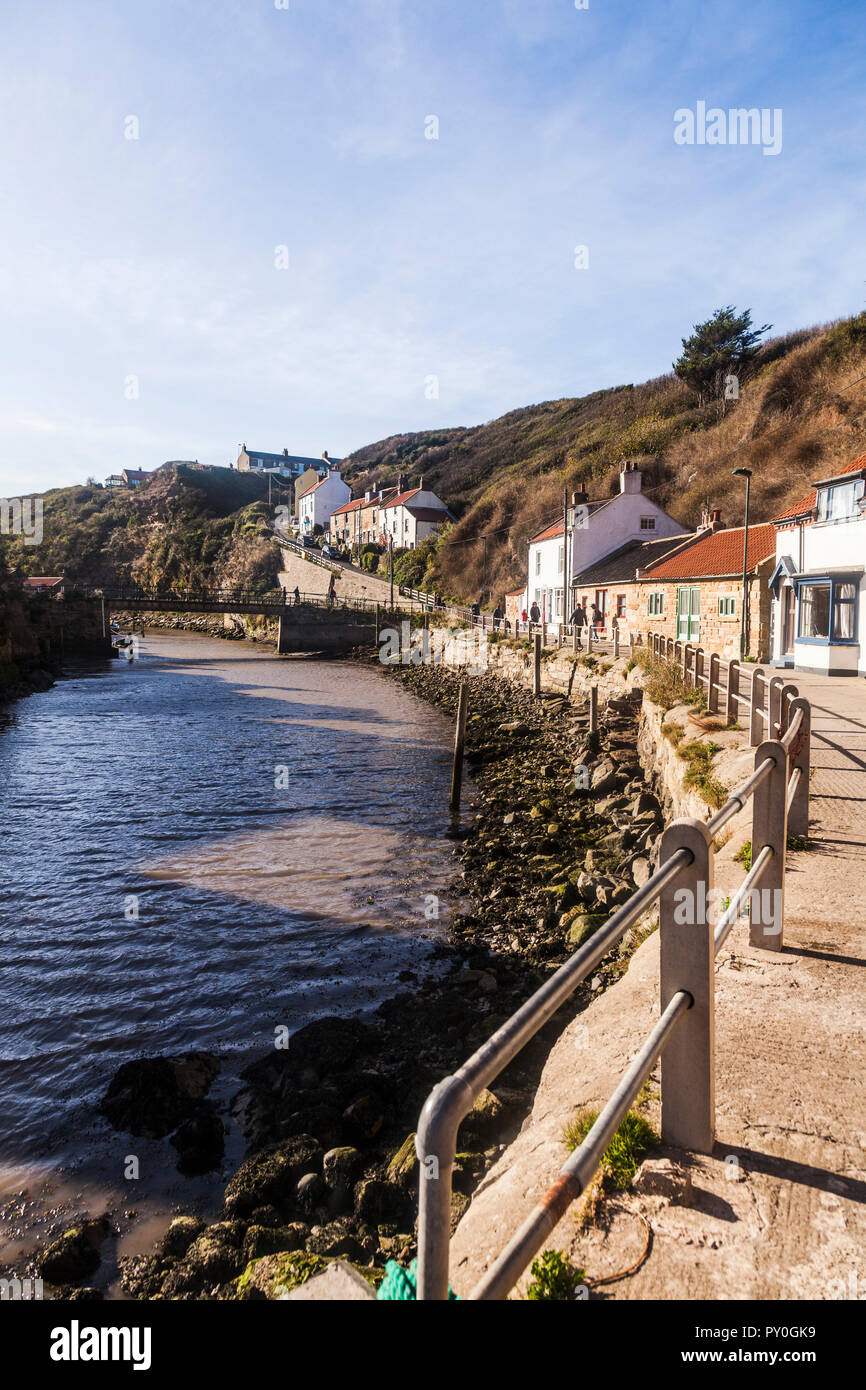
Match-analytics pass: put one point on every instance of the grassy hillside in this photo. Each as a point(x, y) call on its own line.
point(182, 526)
point(506, 478)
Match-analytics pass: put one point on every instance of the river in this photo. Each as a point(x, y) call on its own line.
point(200, 847)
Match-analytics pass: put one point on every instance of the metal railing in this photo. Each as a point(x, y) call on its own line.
point(684, 1034)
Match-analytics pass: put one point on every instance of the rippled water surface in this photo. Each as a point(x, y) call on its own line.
point(164, 891)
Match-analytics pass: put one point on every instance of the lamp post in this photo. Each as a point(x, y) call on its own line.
point(391, 564)
point(747, 474)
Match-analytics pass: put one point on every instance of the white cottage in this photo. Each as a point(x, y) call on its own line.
point(818, 612)
point(595, 529)
point(316, 505)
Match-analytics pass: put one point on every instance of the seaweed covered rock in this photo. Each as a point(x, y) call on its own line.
point(271, 1177)
point(151, 1096)
point(75, 1253)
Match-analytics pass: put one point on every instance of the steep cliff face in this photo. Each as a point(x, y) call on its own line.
point(182, 526)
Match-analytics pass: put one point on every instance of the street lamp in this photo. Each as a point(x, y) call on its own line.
point(747, 474)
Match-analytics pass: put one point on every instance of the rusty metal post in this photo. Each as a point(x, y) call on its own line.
point(733, 703)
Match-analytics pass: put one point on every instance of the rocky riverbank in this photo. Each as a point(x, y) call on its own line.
point(545, 854)
point(241, 628)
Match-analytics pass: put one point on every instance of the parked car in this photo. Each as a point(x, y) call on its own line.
point(331, 552)
point(308, 542)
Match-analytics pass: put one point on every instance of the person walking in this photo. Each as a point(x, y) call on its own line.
point(535, 614)
point(498, 615)
point(597, 618)
point(297, 595)
point(578, 621)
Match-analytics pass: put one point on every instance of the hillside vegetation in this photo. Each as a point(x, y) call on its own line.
point(182, 527)
point(506, 478)
point(800, 414)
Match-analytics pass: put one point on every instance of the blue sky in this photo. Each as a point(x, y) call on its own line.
point(409, 258)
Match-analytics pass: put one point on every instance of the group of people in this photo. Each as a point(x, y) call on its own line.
point(579, 619)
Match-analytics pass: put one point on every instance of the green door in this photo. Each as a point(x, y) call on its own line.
point(688, 613)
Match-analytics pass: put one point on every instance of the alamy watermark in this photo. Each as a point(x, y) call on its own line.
point(465, 648)
point(737, 126)
point(22, 516)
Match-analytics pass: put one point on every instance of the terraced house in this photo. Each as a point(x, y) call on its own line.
point(817, 586)
point(690, 587)
point(586, 533)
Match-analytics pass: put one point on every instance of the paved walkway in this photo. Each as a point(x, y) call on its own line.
point(779, 1210)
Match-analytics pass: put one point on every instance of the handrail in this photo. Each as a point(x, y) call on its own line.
point(686, 958)
point(576, 1174)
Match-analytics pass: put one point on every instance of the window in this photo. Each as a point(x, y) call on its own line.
point(727, 606)
point(814, 610)
point(558, 600)
point(844, 607)
point(655, 604)
point(620, 605)
point(538, 562)
point(647, 523)
point(560, 560)
point(839, 503)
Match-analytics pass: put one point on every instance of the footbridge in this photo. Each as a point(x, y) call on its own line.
point(306, 622)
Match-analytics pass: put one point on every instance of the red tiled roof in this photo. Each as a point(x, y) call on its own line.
point(41, 580)
point(809, 502)
point(352, 506)
point(549, 532)
point(717, 553)
point(401, 498)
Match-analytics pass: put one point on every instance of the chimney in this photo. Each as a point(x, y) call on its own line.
point(285, 453)
point(401, 482)
point(580, 498)
point(711, 519)
point(629, 478)
point(368, 496)
point(421, 483)
point(325, 456)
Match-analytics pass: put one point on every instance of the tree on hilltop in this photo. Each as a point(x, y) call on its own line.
point(719, 348)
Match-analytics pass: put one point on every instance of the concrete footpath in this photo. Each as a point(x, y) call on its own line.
point(779, 1210)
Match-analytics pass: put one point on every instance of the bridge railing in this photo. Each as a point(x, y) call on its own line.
point(691, 933)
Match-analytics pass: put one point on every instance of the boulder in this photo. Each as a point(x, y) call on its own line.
point(181, 1233)
point(583, 927)
point(482, 1122)
point(217, 1254)
point(151, 1096)
point(403, 1168)
point(273, 1240)
point(74, 1255)
point(270, 1177)
point(310, 1191)
point(377, 1201)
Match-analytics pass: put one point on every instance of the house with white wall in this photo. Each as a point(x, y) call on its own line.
point(588, 532)
point(411, 516)
point(316, 505)
point(818, 585)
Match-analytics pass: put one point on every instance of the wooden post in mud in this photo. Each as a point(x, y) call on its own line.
point(536, 664)
point(459, 739)
point(593, 708)
point(377, 624)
